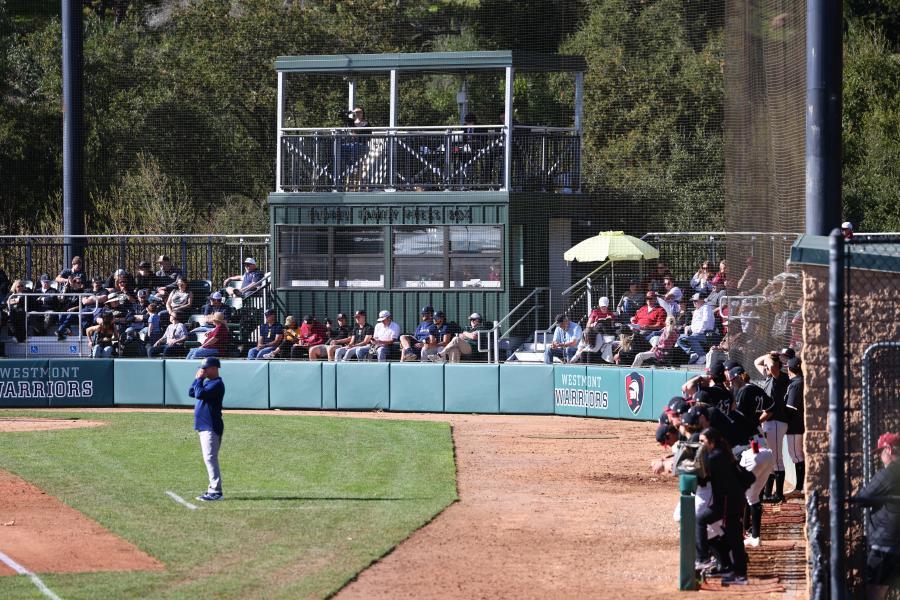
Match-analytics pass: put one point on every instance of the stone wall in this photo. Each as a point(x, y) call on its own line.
point(872, 316)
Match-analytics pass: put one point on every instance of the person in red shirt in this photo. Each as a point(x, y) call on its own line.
point(601, 315)
point(312, 333)
point(650, 318)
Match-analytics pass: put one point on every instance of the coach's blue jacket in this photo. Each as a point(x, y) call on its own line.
point(208, 409)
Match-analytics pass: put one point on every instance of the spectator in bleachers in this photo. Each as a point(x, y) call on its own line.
point(47, 302)
point(702, 321)
point(144, 279)
point(437, 341)
point(76, 271)
point(124, 286)
point(847, 230)
point(312, 333)
point(749, 283)
point(411, 345)
point(656, 278)
point(98, 296)
point(565, 340)
point(466, 342)
point(650, 318)
point(121, 314)
point(632, 301)
point(103, 337)
point(249, 280)
point(386, 334)
point(167, 276)
point(339, 335)
point(601, 317)
point(212, 307)
point(671, 299)
point(216, 341)
point(111, 282)
point(700, 281)
point(139, 314)
point(291, 335)
point(15, 308)
point(180, 299)
point(659, 354)
point(721, 275)
point(70, 302)
point(171, 344)
point(270, 335)
point(625, 352)
point(360, 342)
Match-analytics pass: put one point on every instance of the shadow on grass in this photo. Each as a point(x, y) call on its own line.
point(328, 498)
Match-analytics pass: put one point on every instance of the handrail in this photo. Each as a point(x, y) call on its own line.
point(539, 128)
point(536, 290)
point(516, 324)
point(495, 330)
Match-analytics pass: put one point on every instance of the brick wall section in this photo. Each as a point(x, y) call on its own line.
point(872, 317)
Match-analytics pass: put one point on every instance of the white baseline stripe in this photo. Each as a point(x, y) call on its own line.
point(34, 578)
point(180, 500)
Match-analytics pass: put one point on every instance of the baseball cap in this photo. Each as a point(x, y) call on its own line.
point(677, 405)
point(216, 295)
point(888, 440)
point(793, 364)
point(385, 314)
point(359, 312)
point(440, 314)
point(789, 352)
point(735, 372)
point(696, 297)
point(249, 261)
point(210, 361)
point(163, 258)
point(692, 417)
point(604, 301)
point(663, 431)
point(475, 316)
point(143, 293)
point(119, 272)
point(651, 294)
point(634, 281)
point(341, 316)
point(717, 369)
point(702, 396)
point(144, 264)
point(427, 309)
point(45, 277)
point(730, 364)
point(308, 318)
point(269, 311)
point(847, 225)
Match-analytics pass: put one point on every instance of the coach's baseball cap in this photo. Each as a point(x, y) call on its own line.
point(210, 361)
point(249, 261)
point(385, 314)
point(475, 316)
point(888, 440)
point(427, 309)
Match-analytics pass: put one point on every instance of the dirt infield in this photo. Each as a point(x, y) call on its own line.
point(11, 424)
point(46, 536)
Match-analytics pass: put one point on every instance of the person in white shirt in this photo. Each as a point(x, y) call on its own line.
point(565, 340)
point(702, 321)
point(387, 332)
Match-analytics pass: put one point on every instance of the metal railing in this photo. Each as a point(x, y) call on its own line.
point(75, 349)
point(494, 336)
point(429, 158)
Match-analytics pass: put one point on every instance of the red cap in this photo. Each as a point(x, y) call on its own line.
point(888, 440)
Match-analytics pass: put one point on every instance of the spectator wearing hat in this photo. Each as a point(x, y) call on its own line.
point(338, 335)
point(466, 342)
point(385, 336)
point(312, 333)
point(360, 342)
point(216, 341)
point(215, 305)
point(411, 345)
point(439, 339)
point(121, 311)
point(103, 337)
point(650, 318)
point(249, 280)
point(144, 279)
point(209, 392)
point(171, 344)
point(796, 427)
point(630, 303)
point(565, 341)
point(703, 321)
point(883, 535)
point(601, 317)
point(847, 230)
point(271, 333)
point(167, 276)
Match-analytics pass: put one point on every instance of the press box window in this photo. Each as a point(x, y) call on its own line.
point(419, 257)
point(476, 256)
point(442, 256)
point(331, 257)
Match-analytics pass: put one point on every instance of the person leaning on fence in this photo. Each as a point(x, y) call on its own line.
point(883, 534)
point(270, 335)
point(793, 403)
point(171, 344)
point(216, 341)
point(385, 337)
point(565, 340)
point(249, 280)
point(339, 335)
point(774, 419)
point(360, 341)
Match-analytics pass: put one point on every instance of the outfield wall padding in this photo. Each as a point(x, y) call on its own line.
point(592, 391)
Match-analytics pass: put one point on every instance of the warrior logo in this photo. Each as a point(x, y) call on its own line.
point(634, 391)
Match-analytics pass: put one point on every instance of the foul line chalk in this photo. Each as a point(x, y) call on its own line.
point(34, 578)
point(180, 500)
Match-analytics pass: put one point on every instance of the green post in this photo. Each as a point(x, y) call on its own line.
point(687, 576)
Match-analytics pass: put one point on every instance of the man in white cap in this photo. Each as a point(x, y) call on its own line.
point(387, 332)
point(601, 315)
point(249, 280)
point(465, 343)
point(847, 230)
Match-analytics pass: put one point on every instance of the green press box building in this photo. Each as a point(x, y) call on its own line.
point(374, 213)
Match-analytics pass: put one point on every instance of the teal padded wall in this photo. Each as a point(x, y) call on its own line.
point(295, 384)
point(24, 383)
point(78, 374)
point(363, 386)
point(329, 386)
point(603, 392)
point(139, 381)
point(472, 388)
point(568, 390)
point(636, 384)
point(526, 389)
point(179, 376)
point(417, 387)
point(246, 383)
point(666, 384)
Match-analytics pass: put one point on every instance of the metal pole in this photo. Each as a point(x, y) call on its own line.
point(508, 123)
point(351, 94)
point(823, 115)
point(73, 127)
point(496, 342)
point(836, 412)
point(278, 126)
point(392, 123)
point(579, 102)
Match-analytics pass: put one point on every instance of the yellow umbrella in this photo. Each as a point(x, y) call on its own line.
point(611, 246)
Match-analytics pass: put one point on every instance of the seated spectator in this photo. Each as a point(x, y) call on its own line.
point(291, 335)
point(139, 313)
point(312, 333)
point(703, 321)
point(565, 340)
point(76, 271)
point(103, 337)
point(120, 312)
point(99, 294)
point(360, 342)
point(144, 279)
point(625, 353)
point(111, 282)
point(671, 299)
point(660, 353)
point(655, 279)
point(386, 334)
point(443, 333)
point(180, 299)
point(601, 317)
point(632, 301)
point(650, 318)
point(270, 335)
point(171, 344)
point(215, 305)
point(249, 280)
point(216, 341)
point(338, 336)
point(15, 308)
point(167, 277)
point(39, 324)
point(124, 286)
point(411, 345)
point(69, 301)
point(721, 276)
point(700, 281)
point(750, 283)
point(466, 342)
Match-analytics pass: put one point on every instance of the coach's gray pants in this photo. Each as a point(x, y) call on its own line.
point(209, 444)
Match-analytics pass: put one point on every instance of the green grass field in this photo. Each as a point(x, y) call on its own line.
point(311, 501)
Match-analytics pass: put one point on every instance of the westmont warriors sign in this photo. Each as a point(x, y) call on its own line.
point(69, 382)
point(613, 392)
